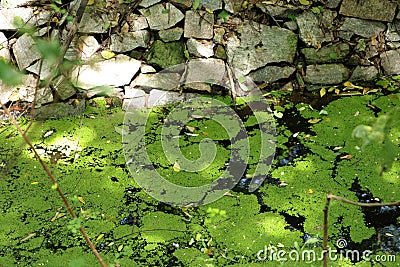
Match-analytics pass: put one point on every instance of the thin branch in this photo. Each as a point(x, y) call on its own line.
point(360, 204)
point(348, 201)
point(67, 42)
point(54, 183)
point(325, 242)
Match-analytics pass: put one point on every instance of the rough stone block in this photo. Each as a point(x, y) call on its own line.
point(383, 10)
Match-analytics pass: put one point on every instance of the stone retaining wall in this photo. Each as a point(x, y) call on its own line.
point(274, 43)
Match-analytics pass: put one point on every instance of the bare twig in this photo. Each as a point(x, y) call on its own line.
point(66, 43)
point(325, 242)
point(348, 201)
point(54, 182)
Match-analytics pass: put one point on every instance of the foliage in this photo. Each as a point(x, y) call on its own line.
point(9, 75)
point(224, 15)
point(389, 83)
point(226, 232)
point(379, 135)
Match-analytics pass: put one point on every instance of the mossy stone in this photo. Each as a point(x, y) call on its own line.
point(166, 55)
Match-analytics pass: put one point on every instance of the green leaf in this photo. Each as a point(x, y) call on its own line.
point(165, 11)
point(315, 10)
point(333, 56)
point(196, 4)
point(304, 2)
point(186, 53)
point(50, 50)
point(107, 54)
point(223, 15)
point(241, 79)
point(18, 22)
point(383, 83)
point(9, 74)
point(210, 81)
point(361, 45)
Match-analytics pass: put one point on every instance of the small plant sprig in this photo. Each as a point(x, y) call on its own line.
point(53, 52)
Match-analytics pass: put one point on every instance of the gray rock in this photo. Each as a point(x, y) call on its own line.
point(94, 21)
point(361, 27)
point(25, 51)
point(136, 100)
point(60, 110)
point(160, 17)
point(63, 88)
point(390, 62)
point(270, 74)
point(393, 33)
point(199, 24)
point(219, 35)
point(123, 42)
point(393, 45)
point(310, 30)
point(383, 10)
point(364, 74)
point(160, 97)
point(203, 70)
point(291, 25)
point(212, 4)
point(327, 18)
point(87, 47)
point(13, 3)
point(7, 16)
point(26, 92)
point(170, 35)
point(117, 71)
point(392, 36)
point(182, 4)
point(327, 54)
point(220, 52)
point(200, 87)
point(326, 74)
point(260, 45)
point(147, 69)
point(165, 54)
point(137, 24)
point(280, 12)
point(372, 50)
point(5, 92)
point(43, 68)
point(200, 48)
point(147, 3)
point(333, 4)
point(162, 80)
point(131, 92)
point(229, 6)
point(4, 50)
point(106, 91)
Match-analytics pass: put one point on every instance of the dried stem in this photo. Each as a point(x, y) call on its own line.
point(54, 182)
point(325, 242)
point(348, 201)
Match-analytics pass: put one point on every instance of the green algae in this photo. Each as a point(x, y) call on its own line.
point(227, 232)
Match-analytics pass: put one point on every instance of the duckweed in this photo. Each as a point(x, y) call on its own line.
point(85, 154)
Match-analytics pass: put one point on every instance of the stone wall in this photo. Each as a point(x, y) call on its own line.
point(274, 43)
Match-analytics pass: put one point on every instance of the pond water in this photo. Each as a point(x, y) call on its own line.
point(316, 152)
